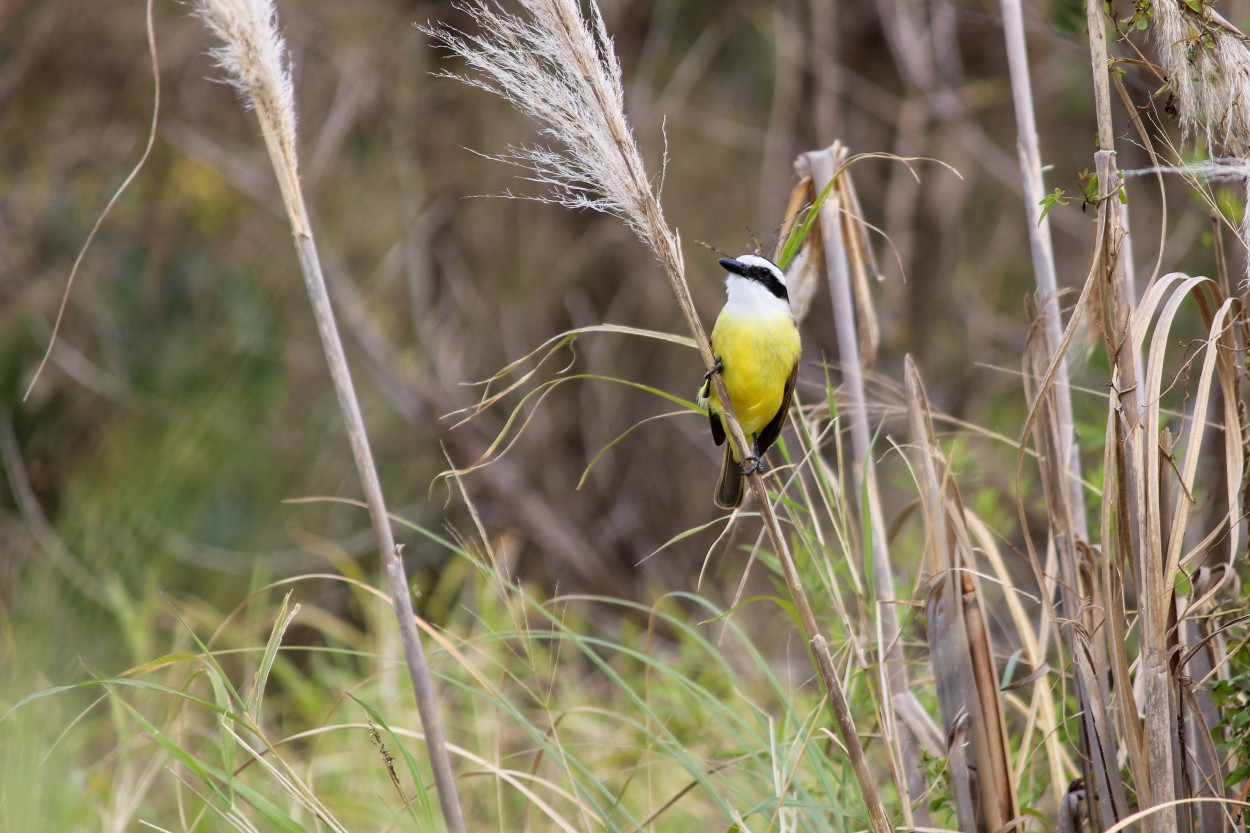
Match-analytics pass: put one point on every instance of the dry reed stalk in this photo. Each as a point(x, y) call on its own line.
point(808, 266)
point(1156, 523)
point(863, 263)
point(1202, 660)
point(824, 167)
point(1040, 246)
point(1179, 805)
point(1041, 716)
point(252, 54)
point(1166, 541)
point(1064, 469)
point(1112, 577)
point(1041, 398)
point(1080, 624)
point(804, 270)
point(962, 652)
point(1114, 294)
point(1166, 490)
point(559, 68)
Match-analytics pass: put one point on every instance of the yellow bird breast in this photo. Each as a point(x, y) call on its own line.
point(758, 353)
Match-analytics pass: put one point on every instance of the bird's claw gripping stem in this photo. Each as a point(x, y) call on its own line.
point(751, 465)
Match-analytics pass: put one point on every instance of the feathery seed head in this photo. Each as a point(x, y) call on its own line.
point(559, 68)
point(253, 55)
point(1208, 66)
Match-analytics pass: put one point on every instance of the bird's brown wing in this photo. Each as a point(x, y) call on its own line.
point(772, 430)
point(718, 430)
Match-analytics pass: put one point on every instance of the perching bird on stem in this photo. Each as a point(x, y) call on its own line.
point(756, 345)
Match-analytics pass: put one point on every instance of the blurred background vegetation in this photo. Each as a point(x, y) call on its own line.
point(186, 400)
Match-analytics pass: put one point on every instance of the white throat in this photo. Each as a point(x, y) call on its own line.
point(748, 297)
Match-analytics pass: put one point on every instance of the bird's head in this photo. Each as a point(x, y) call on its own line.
point(759, 270)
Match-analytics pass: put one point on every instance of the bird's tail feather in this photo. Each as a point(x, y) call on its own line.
point(729, 488)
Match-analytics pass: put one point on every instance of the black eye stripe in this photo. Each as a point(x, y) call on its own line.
point(766, 276)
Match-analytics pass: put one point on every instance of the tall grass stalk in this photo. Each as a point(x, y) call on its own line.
point(824, 167)
point(559, 68)
point(1134, 624)
point(1064, 469)
point(962, 650)
point(1116, 305)
point(252, 55)
point(1040, 245)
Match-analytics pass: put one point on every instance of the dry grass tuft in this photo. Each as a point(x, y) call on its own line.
point(1208, 65)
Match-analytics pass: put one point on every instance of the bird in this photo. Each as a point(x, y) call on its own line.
point(755, 344)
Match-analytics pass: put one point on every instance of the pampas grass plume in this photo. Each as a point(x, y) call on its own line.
point(254, 57)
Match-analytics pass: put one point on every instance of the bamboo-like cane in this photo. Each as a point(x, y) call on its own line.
point(1143, 525)
point(960, 644)
point(823, 167)
point(1068, 519)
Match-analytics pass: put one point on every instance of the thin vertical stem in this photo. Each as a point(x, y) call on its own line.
point(1040, 245)
point(1068, 518)
point(1143, 524)
point(253, 55)
point(823, 166)
point(397, 580)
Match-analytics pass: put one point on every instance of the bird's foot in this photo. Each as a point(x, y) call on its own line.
point(716, 368)
point(751, 465)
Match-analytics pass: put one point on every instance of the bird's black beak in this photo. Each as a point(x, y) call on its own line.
point(731, 265)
